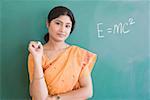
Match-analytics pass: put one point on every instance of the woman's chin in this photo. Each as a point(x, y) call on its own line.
point(60, 39)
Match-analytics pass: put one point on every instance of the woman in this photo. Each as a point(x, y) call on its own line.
point(57, 70)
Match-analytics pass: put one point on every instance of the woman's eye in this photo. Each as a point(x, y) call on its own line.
point(68, 26)
point(57, 23)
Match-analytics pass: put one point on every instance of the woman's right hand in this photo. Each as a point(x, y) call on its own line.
point(36, 49)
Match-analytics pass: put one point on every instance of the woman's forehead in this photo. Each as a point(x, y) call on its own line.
point(63, 19)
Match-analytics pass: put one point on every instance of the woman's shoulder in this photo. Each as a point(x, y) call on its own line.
point(85, 55)
point(82, 50)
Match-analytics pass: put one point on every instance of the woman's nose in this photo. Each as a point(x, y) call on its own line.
point(62, 29)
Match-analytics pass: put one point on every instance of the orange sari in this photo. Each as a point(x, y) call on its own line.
point(62, 72)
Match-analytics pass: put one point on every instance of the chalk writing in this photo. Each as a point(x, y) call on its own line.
point(120, 28)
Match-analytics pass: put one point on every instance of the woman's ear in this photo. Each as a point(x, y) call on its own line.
point(47, 23)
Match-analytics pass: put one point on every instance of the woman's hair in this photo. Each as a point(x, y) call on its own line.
point(55, 13)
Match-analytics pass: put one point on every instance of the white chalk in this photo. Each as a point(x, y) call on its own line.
point(39, 43)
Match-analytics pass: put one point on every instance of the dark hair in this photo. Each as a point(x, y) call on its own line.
point(55, 13)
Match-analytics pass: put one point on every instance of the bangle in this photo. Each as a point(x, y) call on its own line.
point(39, 78)
point(58, 97)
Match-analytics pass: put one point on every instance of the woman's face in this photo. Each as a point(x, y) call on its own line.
point(59, 28)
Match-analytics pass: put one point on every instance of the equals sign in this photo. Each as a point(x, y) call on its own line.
point(109, 30)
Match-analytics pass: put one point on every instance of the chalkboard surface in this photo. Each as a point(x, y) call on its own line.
point(117, 31)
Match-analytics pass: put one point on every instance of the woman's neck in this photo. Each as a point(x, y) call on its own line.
point(53, 45)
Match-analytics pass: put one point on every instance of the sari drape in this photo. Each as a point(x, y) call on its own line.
point(62, 72)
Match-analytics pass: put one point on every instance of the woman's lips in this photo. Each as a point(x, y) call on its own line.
point(61, 35)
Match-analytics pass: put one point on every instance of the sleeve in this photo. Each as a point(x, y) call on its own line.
point(88, 61)
point(30, 67)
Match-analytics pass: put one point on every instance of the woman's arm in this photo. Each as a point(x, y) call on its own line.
point(39, 91)
point(38, 87)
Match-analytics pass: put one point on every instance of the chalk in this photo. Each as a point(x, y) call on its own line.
point(39, 43)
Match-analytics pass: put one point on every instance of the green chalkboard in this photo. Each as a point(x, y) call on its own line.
point(117, 31)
